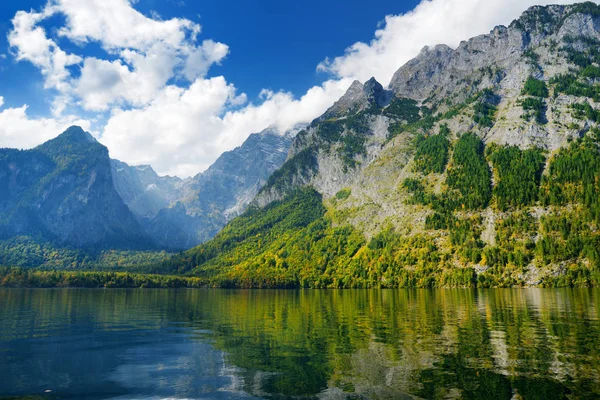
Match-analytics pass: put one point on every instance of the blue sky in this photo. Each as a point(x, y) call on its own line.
point(174, 83)
point(273, 44)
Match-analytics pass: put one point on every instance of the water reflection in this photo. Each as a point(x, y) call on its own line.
point(496, 344)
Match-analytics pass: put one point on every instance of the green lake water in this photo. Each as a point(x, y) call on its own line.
point(353, 344)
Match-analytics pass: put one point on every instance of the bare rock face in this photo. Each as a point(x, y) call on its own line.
point(414, 79)
point(354, 98)
point(440, 71)
point(350, 145)
point(359, 97)
point(329, 153)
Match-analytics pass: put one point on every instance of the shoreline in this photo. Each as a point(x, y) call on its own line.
point(20, 278)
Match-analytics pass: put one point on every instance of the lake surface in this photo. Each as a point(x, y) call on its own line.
point(355, 344)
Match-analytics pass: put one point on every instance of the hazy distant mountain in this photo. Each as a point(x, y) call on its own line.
point(183, 213)
point(144, 192)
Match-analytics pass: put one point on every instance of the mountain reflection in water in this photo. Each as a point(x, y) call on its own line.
point(384, 344)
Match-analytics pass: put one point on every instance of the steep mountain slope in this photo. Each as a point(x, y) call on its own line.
point(477, 165)
point(183, 213)
point(62, 192)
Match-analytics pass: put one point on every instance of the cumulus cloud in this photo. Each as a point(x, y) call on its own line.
point(431, 22)
point(32, 44)
point(116, 25)
point(106, 83)
point(184, 130)
point(149, 52)
point(200, 59)
point(18, 130)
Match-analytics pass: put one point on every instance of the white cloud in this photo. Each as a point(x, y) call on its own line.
point(18, 130)
point(1, 101)
point(104, 83)
point(182, 131)
point(149, 52)
point(116, 25)
point(201, 58)
point(32, 45)
point(430, 23)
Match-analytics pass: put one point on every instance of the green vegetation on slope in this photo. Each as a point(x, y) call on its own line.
point(469, 177)
point(302, 165)
point(485, 108)
point(574, 85)
point(300, 247)
point(535, 87)
point(512, 252)
point(29, 252)
point(574, 177)
point(248, 234)
point(20, 277)
point(535, 108)
point(312, 252)
point(518, 173)
point(432, 153)
point(403, 109)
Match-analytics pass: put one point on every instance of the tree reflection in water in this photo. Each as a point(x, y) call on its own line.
point(472, 344)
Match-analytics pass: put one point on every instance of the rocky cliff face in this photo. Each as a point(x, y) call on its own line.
point(453, 85)
point(62, 191)
point(358, 98)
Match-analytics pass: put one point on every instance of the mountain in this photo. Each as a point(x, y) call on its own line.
point(180, 214)
point(62, 191)
point(66, 204)
point(476, 166)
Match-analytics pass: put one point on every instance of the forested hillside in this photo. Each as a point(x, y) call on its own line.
point(477, 167)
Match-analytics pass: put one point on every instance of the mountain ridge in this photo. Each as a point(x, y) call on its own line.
point(481, 170)
point(66, 203)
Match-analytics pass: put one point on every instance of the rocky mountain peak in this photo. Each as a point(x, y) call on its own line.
point(74, 135)
point(485, 60)
point(545, 20)
point(62, 191)
point(354, 94)
point(359, 97)
point(376, 94)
